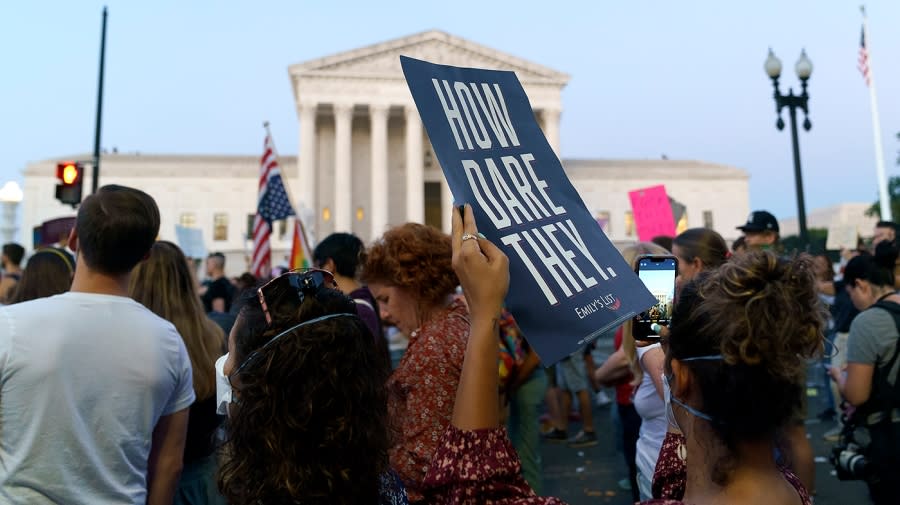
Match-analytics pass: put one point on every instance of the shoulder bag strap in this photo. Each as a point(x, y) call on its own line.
point(882, 375)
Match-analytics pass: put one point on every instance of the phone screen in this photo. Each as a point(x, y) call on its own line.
point(658, 275)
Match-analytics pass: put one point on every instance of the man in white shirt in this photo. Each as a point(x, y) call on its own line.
point(94, 388)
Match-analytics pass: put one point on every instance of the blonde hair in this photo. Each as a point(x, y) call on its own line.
point(631, 254)
point(164, 284)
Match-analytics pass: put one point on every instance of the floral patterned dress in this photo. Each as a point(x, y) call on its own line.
point(479, 467)
point(671, 474)
point(422, 390)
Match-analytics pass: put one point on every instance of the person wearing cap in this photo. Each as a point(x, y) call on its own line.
point(760, 230)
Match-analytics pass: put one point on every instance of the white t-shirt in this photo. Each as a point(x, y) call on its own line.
point(84, 378)
point(652, 410)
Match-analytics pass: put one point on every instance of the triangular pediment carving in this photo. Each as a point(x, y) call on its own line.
point(383, 60)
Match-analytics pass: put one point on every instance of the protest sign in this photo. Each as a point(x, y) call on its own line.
point(841, 236)
point(190, 240)
point(652, 213)
point(53, 233)
point(568, 284)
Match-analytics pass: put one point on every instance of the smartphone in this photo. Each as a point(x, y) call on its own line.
point(657, 272)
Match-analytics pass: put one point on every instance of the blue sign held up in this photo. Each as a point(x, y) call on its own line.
point(568, 283)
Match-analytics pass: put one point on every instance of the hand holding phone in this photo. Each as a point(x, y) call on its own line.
point(658, 273)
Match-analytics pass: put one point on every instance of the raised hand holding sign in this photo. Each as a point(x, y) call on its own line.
point(568, 284)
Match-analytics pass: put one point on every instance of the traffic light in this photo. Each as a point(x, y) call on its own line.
point(70, 175)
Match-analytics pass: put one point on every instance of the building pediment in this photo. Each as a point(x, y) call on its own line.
point(382, 61)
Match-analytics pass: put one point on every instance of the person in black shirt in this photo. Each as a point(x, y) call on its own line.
point(220, 292)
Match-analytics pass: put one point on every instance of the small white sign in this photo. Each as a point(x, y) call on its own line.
point(842, 236)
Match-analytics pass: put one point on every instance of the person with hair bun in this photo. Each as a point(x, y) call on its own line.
point(870, 381)
point(797, 451)
point(735, 370)
point(697, 250)
point(409, 271)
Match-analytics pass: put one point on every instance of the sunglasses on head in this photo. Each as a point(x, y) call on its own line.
point(301, 282)
point(255, 355)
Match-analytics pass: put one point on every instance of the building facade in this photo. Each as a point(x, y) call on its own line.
point(364, 156)
point(714, 196)
point(365, 162)
point(845, 214)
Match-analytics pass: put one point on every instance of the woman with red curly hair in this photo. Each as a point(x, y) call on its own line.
point(409, 272)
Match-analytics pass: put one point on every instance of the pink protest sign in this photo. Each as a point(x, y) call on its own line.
point(652, 212)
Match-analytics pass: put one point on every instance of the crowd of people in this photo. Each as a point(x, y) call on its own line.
point(124, 379)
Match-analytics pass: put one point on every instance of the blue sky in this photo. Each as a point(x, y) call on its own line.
point(684, 79)
point(659, 281)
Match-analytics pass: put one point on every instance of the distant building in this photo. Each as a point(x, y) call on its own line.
point(715, 196)
point(841, 214)
point(365, 162)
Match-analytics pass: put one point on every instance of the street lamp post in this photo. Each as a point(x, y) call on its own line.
point(793, 102)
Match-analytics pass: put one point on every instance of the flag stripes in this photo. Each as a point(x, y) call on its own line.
point(273, 205)
point(863, 63)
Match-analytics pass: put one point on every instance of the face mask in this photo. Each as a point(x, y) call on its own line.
point(223, 388)
point(669, 399)
point(667, 394)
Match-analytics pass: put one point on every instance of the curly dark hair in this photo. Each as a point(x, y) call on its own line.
point(311, 425)
point(414, 257)
point(762, 314)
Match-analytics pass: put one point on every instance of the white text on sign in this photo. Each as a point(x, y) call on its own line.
point(510, 193)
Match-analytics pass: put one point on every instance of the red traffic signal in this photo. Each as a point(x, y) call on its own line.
point(70, 175)
point(68, 172)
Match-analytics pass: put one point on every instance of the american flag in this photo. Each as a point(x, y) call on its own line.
point(273, 205)
point(863, 64)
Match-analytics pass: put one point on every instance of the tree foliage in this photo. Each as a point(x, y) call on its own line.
point(893, 194)
point(817, 239)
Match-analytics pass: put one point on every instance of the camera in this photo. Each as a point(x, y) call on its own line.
point(850, 462)
point(849, 457)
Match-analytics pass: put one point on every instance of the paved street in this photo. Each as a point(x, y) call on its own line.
point(591, 475)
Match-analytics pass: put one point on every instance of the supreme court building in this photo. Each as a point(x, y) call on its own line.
point(365, 162)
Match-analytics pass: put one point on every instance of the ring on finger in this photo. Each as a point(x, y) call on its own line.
point(469, 236)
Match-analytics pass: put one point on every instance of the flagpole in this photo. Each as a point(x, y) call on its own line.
point(883, 197)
